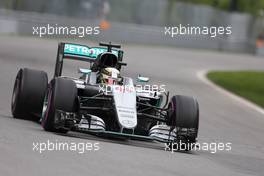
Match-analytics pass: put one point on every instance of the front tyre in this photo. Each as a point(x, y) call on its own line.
point(62, 96)
point(184, 115)
point(28, 94)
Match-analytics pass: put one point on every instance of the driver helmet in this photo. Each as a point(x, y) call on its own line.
point(109, 75)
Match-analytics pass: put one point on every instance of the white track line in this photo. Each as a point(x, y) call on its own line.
point(202, 76)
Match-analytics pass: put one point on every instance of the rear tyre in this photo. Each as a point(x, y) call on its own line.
point(61, 95)
point(184, 115)
point(28, 94)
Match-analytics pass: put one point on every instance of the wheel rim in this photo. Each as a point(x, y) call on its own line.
point(15, 93)
point(46, 106)
point(171, 108)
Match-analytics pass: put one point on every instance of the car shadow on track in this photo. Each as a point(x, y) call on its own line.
point(128, 142)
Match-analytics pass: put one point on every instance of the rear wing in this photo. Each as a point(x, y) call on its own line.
point(82, 53)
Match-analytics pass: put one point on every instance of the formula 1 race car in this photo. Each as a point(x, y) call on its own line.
point(101, 101)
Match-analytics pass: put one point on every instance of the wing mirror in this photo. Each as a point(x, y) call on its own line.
point(142, 79)
point(85, 74)
point(84, 71)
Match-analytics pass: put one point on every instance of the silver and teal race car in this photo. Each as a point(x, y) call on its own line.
point(101, 101)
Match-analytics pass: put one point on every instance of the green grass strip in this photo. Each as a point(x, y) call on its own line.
point(247, 84)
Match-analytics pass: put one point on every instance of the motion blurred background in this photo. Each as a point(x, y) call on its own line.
point(143, 21)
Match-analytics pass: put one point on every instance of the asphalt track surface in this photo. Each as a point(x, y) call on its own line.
point(222, 119)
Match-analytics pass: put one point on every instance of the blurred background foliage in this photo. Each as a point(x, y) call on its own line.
point(254, 7)
point(245, 16)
